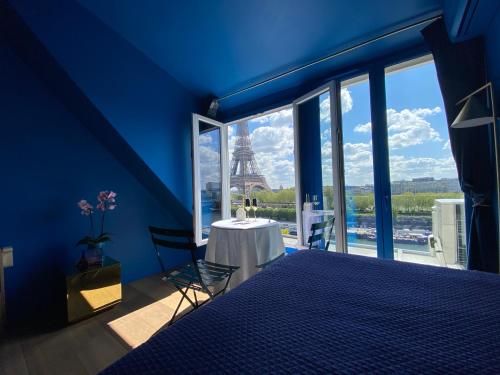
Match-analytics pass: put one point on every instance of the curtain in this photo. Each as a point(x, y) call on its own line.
point(461, 70)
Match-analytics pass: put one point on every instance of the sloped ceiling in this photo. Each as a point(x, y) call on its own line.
point(216, 47)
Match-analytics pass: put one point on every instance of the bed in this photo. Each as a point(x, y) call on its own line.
point(324, 312)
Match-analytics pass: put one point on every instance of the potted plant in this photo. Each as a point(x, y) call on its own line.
point(94, 243)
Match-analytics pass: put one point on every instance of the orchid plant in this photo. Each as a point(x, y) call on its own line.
point(106, 202)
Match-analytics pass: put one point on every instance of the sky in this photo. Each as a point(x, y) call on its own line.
point(417, 130)
point(209, 150)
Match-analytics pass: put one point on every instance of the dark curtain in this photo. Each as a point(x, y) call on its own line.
point(461, 70)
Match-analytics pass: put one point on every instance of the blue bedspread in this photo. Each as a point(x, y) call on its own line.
point(319, 312)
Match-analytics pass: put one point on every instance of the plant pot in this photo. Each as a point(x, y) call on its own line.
point(91, 256)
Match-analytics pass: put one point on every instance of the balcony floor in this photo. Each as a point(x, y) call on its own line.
point(400, 255)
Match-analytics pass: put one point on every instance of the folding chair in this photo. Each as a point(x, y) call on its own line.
point(321, 231)
point(197, 275)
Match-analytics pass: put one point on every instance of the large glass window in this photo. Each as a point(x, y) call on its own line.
point(262, 166)
point(427, 203)
point(358, 167)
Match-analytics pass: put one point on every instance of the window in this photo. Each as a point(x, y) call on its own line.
point(317, 135)
point(209, 164)
point(358, 166)
point(330, 127)
point(427, 203)
point(262, 166)
point(250, 158)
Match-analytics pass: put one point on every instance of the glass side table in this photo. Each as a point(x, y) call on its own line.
point(93, 290)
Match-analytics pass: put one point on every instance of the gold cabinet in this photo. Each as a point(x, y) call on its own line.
point(94, 289)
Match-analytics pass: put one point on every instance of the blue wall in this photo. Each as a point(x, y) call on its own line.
point(48, 162)
point(50, 157)
point(146, 106)
point(493, 55)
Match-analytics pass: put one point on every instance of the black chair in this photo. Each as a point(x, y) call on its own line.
point(197, 275)
point(321, 231)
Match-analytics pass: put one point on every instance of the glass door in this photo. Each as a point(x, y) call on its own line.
point(358, 166)
point(318, 160)
point(211, 184)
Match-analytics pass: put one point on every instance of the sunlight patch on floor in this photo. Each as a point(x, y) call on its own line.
point(138, 326)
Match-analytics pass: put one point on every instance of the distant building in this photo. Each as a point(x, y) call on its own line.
point(426, 185)
point(448, 231)
point(358, 190)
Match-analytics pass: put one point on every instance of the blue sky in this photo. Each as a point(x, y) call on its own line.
point(418, 135)
point(209, 150)
point(416, 125)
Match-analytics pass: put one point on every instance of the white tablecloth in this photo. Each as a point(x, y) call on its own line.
point(244, 244)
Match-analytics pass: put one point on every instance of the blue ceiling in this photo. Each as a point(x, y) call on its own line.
point(216, 47)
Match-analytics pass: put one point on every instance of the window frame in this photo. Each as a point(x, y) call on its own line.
point(225, 208)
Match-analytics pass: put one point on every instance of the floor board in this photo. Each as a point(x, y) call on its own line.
point(88, 346)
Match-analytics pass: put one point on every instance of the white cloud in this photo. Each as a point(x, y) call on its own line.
point(408, 127)
point(276, 170)
point(204, 139)
point(324, 109)
point(209, 165)
point(406, 168)
point(447, 145)
point(358, 164)
point(272, 139)
point(280, 118)
point(363, 128)
point(346, 100)
point(346, 103)
point(273, 144)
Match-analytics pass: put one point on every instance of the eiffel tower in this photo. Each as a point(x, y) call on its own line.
point(245, 173)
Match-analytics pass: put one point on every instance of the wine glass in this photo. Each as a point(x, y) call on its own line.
point(254, 208)
point(315, 201)
point(247, 205)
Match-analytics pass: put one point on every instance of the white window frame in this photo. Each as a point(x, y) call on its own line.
point(224, 159)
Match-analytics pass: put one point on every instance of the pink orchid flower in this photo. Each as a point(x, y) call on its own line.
point(106, 200)
point(86, 207)
point(102, 196)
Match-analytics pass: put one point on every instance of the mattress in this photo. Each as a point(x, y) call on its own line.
point(323, 312)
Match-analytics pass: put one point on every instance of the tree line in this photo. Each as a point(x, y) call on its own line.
point(407, 203)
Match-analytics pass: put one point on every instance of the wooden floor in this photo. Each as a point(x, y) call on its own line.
point(91, 345)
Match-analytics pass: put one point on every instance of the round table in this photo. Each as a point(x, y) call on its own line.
point(244, 244)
